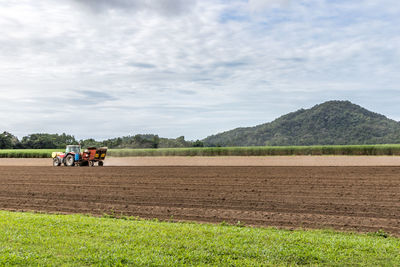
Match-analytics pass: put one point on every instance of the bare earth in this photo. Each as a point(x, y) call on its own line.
point(363, 198)
point(229, 161)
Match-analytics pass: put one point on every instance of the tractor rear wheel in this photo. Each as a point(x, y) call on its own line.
point(70, 161)
point(56, 162)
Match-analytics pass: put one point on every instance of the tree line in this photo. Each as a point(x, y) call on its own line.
point(50, 141)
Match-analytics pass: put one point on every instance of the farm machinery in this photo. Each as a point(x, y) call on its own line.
point(74, 156)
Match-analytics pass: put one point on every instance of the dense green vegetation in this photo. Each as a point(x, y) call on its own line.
point(142, 141)
point(223, 151)
point(36, 141)
point(27, 153)
point(261, 151)
point(49, 141)
point(330, 123)
point(38, 239)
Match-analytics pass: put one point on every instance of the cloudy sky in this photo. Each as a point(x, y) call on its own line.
point(108, 68)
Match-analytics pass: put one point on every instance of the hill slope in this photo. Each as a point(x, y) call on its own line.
point(329, 123)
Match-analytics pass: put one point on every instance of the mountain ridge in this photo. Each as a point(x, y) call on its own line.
point(330, 123)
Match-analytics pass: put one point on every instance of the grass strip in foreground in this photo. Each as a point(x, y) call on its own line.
point(42, 239)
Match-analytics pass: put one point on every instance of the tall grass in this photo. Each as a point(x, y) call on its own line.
point(224, 151)
point(27, 153)
point(260, 151)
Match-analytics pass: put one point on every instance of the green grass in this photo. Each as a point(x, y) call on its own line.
point(27, 153)
point(42, 239)
point(261, 151)
point(224, 151)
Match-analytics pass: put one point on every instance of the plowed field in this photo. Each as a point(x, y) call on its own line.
point(347, 198)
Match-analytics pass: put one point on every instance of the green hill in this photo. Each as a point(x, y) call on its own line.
point(330, 123)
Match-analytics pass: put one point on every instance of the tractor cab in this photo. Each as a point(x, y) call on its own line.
point(73, 149)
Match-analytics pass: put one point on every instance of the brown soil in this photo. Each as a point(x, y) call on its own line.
point(345, 198)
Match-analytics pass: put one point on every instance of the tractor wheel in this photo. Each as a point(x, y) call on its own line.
point(70, 161)
point(91, 163)
point(56, 162)
point(101, 163)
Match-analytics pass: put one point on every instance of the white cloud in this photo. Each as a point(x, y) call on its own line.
point(258, 5)
point(165, 7)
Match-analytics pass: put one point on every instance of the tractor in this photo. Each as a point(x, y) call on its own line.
point(74, 157)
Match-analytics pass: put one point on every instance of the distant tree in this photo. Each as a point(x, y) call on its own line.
point(198, 143)
point(8, 141)
point(156, 141)
point(90, 143)
point(44, 140)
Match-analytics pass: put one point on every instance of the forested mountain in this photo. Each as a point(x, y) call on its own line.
point(330, 123)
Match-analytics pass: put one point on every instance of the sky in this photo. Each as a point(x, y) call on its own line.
point(109, 68)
